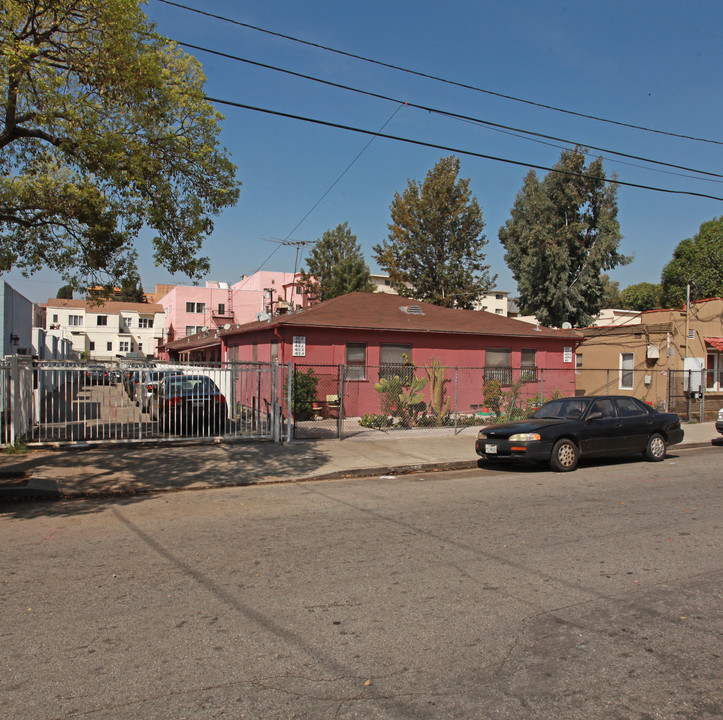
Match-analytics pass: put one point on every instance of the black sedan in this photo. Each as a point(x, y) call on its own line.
point(188, 404)
point(564, 430)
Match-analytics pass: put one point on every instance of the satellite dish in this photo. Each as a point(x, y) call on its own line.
point(227, 326)
point(566, 326)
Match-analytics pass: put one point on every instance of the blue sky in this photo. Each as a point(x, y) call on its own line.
point(655, 64)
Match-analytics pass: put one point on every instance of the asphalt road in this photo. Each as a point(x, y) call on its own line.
point(506, 594)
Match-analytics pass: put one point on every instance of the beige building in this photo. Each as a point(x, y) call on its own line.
point(669, 358)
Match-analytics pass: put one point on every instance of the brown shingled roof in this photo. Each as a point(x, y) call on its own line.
point(385, 311)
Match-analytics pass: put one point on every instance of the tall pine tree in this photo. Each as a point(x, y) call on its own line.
point(562, 234)
point(434, 250)
point(336, 266)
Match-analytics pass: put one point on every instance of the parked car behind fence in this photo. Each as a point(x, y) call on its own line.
point(188, 404)
point(147, 385)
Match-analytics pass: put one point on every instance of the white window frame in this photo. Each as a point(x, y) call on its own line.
point(625, 359)
point(356, 361)
point(715, 372)
point(124, 346)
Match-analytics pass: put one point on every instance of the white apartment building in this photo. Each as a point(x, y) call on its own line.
point(495, 301)
point(107, 331)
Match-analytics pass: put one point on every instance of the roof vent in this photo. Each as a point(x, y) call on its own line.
point(411, 309)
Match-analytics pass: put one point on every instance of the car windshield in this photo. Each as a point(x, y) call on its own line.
point(565, 408)
point(192, 384)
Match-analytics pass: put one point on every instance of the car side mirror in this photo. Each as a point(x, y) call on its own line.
point(594, 416)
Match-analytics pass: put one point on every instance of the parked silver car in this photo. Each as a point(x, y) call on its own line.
point(147, 385)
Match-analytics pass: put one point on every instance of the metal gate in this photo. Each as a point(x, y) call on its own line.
point(316, 401)
point(122, 402)
point(689, 397)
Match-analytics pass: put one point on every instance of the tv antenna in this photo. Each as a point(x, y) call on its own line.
point(298, 244)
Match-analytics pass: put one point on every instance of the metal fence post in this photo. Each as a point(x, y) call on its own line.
point(15, 413)
point(288, 401)
point(275, 410)
point(542, 385)
point(340, 412)
point(456, 399)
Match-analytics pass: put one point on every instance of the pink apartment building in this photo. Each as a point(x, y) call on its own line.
point(194, 309)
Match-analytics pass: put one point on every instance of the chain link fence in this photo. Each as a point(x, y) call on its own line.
point(358, 402)
point(340, 401)
point(695, 395)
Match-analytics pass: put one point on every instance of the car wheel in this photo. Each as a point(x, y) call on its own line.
point(565, 455)
point(655, 451)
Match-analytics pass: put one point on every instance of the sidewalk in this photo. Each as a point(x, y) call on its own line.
point(132, 469)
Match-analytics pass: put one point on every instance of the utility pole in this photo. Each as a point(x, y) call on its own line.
point(298, 244)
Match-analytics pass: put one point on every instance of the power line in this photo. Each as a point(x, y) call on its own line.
point(445, 113)
point(441, 79)
point(303, 243)
point(446, 148)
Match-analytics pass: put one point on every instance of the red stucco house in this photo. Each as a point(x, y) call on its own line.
point(374, 335)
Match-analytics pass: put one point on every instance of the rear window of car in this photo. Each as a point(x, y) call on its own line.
point(629, 407)
point(191, 384)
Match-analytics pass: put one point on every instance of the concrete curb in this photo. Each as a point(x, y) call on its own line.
point(45, 489)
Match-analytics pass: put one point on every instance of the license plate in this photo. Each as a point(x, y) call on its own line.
point(197, 403)
point(491, 449)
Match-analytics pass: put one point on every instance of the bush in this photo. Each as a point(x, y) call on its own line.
point(303, 394)
point(19, 447)
point(376, 421)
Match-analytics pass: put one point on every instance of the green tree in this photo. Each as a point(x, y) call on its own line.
point(697, 261)
point(336, 266)
point(434, 249)
point(104, 130)
point(641, 296)
point(562, 233)
point(611, 292)
point(65, 293)
point(132, 290)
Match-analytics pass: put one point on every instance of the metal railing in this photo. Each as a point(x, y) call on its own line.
point(120, 402)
